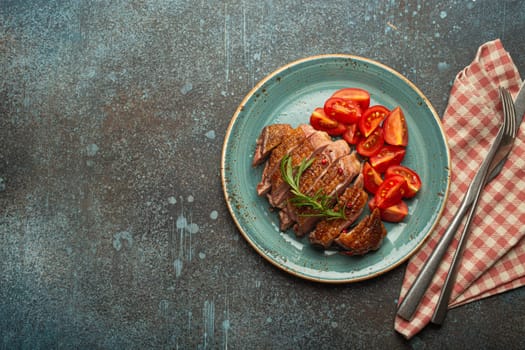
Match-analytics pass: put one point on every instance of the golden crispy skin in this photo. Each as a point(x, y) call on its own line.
point(354, 200)
point(271, 137)
point(334, 181)
point(366, 236)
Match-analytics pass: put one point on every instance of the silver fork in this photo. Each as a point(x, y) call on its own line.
point(497, 152)
point(508, 134)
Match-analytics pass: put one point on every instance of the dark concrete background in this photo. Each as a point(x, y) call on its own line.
point(114, 233)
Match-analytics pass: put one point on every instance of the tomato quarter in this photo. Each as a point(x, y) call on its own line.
point(411, 177)
point(390, 192)
point(359, 96)
point(371, 119)
point(320, 121)
point(352, 134)
point(395, 128)
point(387, 156)
point(394, 213)
point(371, 178)
point(369, 146)
point(344, 111)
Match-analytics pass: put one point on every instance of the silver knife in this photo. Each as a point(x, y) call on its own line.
point(414, 295)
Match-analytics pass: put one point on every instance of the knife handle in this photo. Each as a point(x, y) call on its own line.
point(414, 295)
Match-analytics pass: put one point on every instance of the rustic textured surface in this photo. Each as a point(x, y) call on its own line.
point(113, 228)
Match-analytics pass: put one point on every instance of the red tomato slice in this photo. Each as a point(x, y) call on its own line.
point(390, 192)
point(411, 177)
point(352, 134)
point(369, 146)
point(320, 121)
point(394, 213)
point(387, 156)
point(395, 128)
point(371, 178)
point(344, 111)
point(359, 96)
point(372, 118)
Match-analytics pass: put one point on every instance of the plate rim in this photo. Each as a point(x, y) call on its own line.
point(240, 108)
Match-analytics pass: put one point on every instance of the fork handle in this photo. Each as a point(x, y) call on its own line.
point(414, 295)
point(442, 306)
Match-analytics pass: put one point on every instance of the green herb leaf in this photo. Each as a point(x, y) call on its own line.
point(319, 203)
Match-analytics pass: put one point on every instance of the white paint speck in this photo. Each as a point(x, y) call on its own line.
point(210, 134)
point(91, 149)
point(186, 88)
point(269, 320)
point(214, 215)
point(190, 199)
point(163, 306)
point(192, 228)
point(119, 236)
point(443, 14)
point(181, 222)
point(172, 200)
point(443, 66)
point(202, 255)
point(177, 265)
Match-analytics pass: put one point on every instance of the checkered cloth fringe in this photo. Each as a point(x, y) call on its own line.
point(494, 258)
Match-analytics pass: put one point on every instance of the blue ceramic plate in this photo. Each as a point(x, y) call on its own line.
point(289, 95)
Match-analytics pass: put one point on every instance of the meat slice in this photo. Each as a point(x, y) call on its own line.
point(353, 200)
point(331, 153)
point(365, 237)
point(271, 136)
point(309, 149)
point(332, 183)
point(294, 139)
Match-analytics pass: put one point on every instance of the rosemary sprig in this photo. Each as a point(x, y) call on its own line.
point(319, 202)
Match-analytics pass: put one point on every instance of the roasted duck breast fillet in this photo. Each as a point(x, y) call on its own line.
point(353, 200)
point(365, 237)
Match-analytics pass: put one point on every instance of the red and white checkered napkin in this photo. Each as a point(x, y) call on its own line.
point(494, 258)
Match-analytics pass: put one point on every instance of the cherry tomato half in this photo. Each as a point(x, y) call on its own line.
point(390, 192)
point(387, 156)
point(395, 128)
point(352, 134)
point(359, 96)
point(372, 118)
point(344, 111)
point(369, 146)
point(320, 121)
point(371, 178)
point(411, 177)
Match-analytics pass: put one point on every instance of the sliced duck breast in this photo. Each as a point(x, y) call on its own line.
point(294, 139)
point(309, 149)
point(271, 136)
point(353, 201)
point(336, 179)
point(365, 237)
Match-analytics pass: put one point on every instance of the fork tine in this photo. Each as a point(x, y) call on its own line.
point(508, 112)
